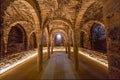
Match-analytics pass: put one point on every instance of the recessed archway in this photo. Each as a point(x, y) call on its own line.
point(98, 38)
point(32, 41)
point(17, 40)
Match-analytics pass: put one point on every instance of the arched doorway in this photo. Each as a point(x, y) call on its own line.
point(32, 41)
point(17, 40)
point(98, 38)
point(58, 40)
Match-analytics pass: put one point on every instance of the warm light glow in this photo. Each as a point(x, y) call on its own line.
point(45, 51)
point(5, 69)
point(59, 49)
point(17, 63)
point(92, 58)
point(95, 59)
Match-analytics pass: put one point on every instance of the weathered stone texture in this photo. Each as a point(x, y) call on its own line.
point(67, 17)
point(112, 21)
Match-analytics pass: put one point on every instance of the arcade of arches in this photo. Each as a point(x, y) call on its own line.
point(88, 25)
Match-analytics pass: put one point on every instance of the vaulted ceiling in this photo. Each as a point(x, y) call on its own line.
point(55, 14)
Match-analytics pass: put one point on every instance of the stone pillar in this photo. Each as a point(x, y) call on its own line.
point(2, 45)
point(75, 42)
point(66, 48)
point(40, 53)
point(69, 48)
point(28, 44)
point(111, 11)
point(52, 47)
point(48, 48)
point(5, 48)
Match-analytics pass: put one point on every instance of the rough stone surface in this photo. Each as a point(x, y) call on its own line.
point(70, 18)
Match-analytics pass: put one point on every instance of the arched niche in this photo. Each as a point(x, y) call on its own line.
point(17, 40)
point(98, 38)
point(83, 39)
point(32, 41)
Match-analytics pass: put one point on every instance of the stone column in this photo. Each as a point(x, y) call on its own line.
point(1, 44)
point(75, 42)
point(5, 48)
point(66, 48)
point(28, 44)
point(49, 49)
point(1, 52)
point(111, 11)
point(40, 53)
point(69, 48)
point(52, 47)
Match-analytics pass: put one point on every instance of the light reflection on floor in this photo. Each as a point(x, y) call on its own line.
point(45, 50)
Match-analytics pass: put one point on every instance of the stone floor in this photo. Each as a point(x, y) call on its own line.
point(57, 67)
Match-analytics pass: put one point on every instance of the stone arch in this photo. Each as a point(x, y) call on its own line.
point(62, 32)
point(59, 31)
point(64, 20)
point(60, 20)
point(5, 3)
point(98, 38)
point(34, 14)
point(32, 41)
point(53, 29)
point(88, 27)
point(7, 30)
point(17, 40)
point(83, 10)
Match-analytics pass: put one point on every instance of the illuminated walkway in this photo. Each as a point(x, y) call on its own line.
point(57, 67)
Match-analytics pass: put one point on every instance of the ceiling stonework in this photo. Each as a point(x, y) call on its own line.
point(94, 12)
point(61, 14)
point(59, 8)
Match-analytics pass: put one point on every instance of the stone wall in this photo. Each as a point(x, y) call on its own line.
point(0, 44)
point(112, 21)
